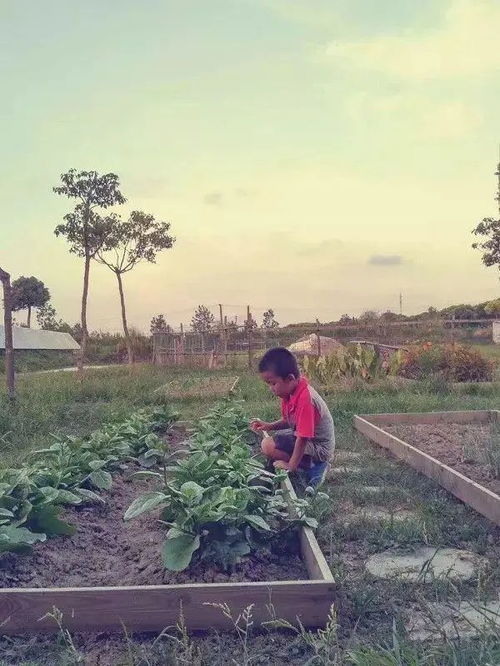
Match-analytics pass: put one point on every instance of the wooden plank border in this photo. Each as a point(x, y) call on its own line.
point(415, 418)
point(475, 495)
point(155, 607)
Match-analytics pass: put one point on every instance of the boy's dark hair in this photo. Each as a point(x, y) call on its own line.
point(280, 361)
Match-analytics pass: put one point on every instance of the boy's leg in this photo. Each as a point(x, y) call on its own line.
point(270, 449)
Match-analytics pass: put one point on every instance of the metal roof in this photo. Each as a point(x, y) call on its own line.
point(29, 338)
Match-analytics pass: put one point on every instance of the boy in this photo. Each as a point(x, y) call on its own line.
point(305, 435)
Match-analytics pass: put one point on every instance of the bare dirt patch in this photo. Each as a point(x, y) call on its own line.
point(467, 448)
point(107, 551)
point(198, 387)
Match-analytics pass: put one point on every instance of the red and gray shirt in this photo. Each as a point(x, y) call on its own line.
point(308, 416)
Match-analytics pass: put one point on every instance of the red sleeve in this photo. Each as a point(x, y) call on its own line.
point(305, 423)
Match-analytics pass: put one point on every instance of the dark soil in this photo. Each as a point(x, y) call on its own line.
point(460, 446)
point(107, 551)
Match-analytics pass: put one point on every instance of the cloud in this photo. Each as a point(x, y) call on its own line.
point(326, 247)
point(244, 193)
point(416, 114)
point(466, 45)
point(386, 260)
point(213, 198)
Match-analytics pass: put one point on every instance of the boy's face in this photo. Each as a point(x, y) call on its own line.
point(279, 386)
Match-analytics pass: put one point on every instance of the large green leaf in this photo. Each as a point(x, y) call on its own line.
point(258, 522)
point(192, 492)
point(45, 518)
point(18, 539)
point(90, 495)
point(145, 502)
point(178, 549)
point(101, 479)
point(66, 497)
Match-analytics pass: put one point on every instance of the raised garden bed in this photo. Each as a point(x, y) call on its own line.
point(107, 551)
point(449, 447)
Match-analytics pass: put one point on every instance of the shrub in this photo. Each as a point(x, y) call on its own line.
point(455, 363)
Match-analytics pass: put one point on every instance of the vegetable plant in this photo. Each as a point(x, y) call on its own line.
point(217, 500)
point(70, 471)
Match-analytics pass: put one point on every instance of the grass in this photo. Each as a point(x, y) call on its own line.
point(369, 626)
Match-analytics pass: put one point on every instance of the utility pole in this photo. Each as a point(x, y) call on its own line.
point(401, 303)
point(9, 346)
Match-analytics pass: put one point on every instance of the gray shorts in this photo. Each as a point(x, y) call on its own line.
point(318, 451)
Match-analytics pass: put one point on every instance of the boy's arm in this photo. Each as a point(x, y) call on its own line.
point(258, 425)
point(278, 425)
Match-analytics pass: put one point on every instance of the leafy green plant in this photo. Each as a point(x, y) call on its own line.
point(70, 471)
point(218, 501)
point(355, 361)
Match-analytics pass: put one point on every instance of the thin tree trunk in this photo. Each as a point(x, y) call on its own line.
point(9, 347)
point(29, 316)
point(128, 341)
point(83, 344)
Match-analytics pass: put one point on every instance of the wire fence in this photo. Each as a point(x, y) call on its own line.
point(238, 346)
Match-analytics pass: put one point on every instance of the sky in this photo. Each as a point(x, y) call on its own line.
point(313, 156)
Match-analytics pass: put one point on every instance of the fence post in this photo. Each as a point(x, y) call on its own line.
point(249, 331)
point(9, 346)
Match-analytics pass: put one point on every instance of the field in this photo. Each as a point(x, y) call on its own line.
point(375, 505)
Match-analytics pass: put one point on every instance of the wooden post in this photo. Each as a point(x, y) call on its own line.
point(9, 346)
point(226, 340)
point(249, 333)
point(183, 357)
point(318, 336)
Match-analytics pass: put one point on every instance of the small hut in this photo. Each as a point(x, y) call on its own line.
point(311, 345)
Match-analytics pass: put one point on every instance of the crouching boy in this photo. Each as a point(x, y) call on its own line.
point(304, 436)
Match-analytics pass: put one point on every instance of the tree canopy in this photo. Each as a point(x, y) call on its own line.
point(203, 320)
point(269, 321)
point(28, 293)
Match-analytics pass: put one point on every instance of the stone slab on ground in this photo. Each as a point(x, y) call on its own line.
point(425, 564)
point(341, 455)
point(464, 620)
point(378, 514)
point(346, 469)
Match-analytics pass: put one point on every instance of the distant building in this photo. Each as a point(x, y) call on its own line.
point(29, 338)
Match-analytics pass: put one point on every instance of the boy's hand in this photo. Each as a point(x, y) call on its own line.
point(281, 464)
point(257, 425)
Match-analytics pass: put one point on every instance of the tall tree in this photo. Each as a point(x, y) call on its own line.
point(203, 320)
point(268, 320)
point(28, 293)
point(489, 230)
point(47, 320)
point(9, 345)
point(138, 239)
point(84, 228)
point(159, 325)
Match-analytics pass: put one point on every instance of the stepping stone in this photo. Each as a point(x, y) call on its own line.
point(380, 515)
point(425, 564)
point(464, 620)
point(346, 469)
point(346, 455)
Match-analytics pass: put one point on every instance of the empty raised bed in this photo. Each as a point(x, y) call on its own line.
point(459, 450)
